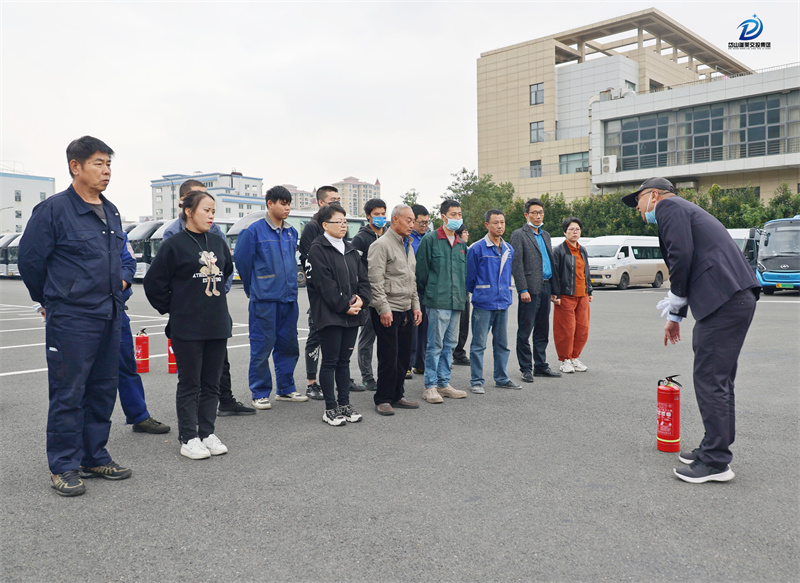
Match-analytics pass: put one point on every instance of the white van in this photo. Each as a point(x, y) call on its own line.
point(622, 260)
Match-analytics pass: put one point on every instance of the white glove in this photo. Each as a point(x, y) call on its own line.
point(671, 303)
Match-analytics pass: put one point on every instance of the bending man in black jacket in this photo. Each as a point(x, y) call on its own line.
point(708, 273)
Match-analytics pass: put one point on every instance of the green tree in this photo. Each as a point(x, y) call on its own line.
point(782, 205)
point(411, 197)
point(477, 195)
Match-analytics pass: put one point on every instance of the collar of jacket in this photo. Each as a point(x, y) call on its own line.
point(81, 206)
point(348, 246)
point(442, 235)
point(491, 245)
point(392, 234)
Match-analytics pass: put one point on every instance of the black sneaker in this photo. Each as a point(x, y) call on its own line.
point(463, 361)
point(509, 384)
point(418, 370)
point(699, 472)
point(333, 417)
point(68, 484)
point(349, 413)
point(369, 385)
point(234, 408)
point(689, 457)
point(110, 471)
point(527, 377)
point(314, 391)
point(150, 425)
point(354, 388)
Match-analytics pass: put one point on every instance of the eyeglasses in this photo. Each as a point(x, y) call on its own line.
point(536, 213)
point(573, 231)
point(343, 222)
point(644, 193)
point(422, 223)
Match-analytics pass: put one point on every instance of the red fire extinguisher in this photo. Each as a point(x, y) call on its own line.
point(171, 364)
point(669, 415)
point(142, 352)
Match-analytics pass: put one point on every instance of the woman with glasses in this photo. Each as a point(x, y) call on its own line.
point(339, 292)
point(571, 311)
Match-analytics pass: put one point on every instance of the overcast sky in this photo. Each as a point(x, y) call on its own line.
point(298, 93)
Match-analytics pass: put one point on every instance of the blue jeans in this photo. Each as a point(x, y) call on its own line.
point(482, 321)
point(442, 338)
point(273, 330)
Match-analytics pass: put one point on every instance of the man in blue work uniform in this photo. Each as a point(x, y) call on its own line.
point(228, 405)
point(70, 261)
point(131, 389)
point(266, 261)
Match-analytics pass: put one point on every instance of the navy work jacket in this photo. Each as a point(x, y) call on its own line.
point(70, 261)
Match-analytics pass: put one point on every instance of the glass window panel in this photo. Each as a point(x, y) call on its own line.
point(701, 127)
point(687, 116)
point(663, 119)
point(717, 124)
point(756, 119)
point(647, 134)
point(663, 132)
point(630, 137)
point(774, 116)
point(630, 150)
point(756, 134)
point(794, 114)
point(630, 163)
point(793, 129)
point(774, 147)
point(717, 111)
point(701, 141)
point(716, 139)
point(773, 102)
point(612, 139)
point(716, 153)
point(701, 113)
point(662, 146)
point(774, 132)
point(613, 126)
point(684, 143)
point(684, 129)
point(702, 155)
point(647, 121)
point(647, 162)
point(757, 104)
point(793, 98)
point(631, 123)
point(647, 148)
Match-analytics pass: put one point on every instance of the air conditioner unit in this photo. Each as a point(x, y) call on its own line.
point(609, 164)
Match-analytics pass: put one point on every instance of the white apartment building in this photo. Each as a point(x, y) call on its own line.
point(356, 193)
point(236, 195)
point(19, 193)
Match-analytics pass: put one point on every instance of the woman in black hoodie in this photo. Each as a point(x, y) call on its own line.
point(338, 290)
point(187, 280)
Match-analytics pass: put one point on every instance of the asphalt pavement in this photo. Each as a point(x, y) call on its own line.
point(560, 481)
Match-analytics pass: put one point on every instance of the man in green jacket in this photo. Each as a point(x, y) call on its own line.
point(442, 275)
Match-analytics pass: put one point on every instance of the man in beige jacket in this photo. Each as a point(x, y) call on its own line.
point(394, 309)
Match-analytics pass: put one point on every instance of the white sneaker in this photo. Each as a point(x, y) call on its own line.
point(195, 450)
point(333, 417)
point(214, 445)
point(262, 403)
point(578, 365)
point(294, 397)
point(566, 366)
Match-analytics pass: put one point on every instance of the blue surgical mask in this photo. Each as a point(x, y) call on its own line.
point(454, 224)
point(537, 226)
point(379, 222)
point(650, 216)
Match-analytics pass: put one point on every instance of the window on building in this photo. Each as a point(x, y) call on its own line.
point(537, 132)
point(158, 198)
point(157, 189)
point(572, 163)
point(536, 168)
point(208, 184)
point(537, 93)
point(241, 206)
point(249, 207)
point(159, 211)
point(17, 196)
point(17, 214)
point(630, 85)
point(19, 229)
point(42, 195)
point(241, 215)
point(227, 210)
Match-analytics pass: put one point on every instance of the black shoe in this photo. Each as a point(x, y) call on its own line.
point(150, 425)
point(110, 471)
point(354, 388)
point(409, 375)
point(688, 458)
point(464, 361)
point(546, 373)
point(369, 386)
point(68, 484)
point(527, 377)
point(314, 391)
point(699, 472)
point(509, 384)
point(235, 408)
point(418, 370)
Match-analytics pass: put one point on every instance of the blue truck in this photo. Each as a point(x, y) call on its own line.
point(778, 266)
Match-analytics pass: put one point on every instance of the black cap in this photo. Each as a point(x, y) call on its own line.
point(659, 183)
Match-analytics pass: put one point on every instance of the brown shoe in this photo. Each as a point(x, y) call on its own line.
point(451, 393)
point(404, 404)
point(384, 409)
point(432, 396)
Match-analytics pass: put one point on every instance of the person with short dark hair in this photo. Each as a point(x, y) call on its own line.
point(186, 280)
point(228, 405)
point(573, 296)
point(325, 195)
point(441, 274)
point(70, 259)
point(265, 259)
point(534, 277)
point(489, 281)
point(375, 211)
point(419, 335)
point(338, 291)
point(709, 273)
point(459, 354)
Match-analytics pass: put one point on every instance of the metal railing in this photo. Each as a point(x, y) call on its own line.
point(721, 77)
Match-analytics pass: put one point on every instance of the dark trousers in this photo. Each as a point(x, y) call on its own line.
point(366, 342)
point(717, 340)
point(463, 332)
point(394, 354)
point(336, 344)
point(419, 341)
point(225, 386)
point(199, 370)
point(534, 316)
point(312, 350)
point(82, 373)
point(131, 389)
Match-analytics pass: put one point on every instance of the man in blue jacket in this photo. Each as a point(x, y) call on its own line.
point(228, 405)
point(266, 262)
point(489, 282)
point(709, 273)
point(70, 261)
